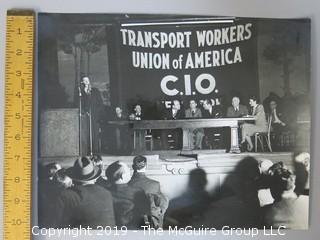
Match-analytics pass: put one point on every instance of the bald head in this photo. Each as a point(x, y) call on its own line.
point(235, 102)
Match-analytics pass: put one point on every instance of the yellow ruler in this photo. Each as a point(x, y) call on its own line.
point(18, 124)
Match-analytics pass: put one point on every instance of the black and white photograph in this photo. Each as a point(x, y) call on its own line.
point(173, 121)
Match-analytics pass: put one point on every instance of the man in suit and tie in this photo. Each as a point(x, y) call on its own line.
point(196, 134)
point(237, 110)
point(211, 133)
point(121, 134)
point(137, 114)
point(92, 110)
point(210, 110)
point(173, 113)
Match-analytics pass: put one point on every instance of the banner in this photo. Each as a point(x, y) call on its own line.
point(160, 63)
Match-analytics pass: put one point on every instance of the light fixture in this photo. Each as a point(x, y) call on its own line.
point(186, 22)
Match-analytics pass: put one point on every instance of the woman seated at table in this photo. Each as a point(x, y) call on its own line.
point(260, 125)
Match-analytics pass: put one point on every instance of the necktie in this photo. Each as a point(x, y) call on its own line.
point(174, 113)
point(273, 116)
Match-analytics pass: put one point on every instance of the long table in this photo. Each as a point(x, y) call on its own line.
point(141, 126)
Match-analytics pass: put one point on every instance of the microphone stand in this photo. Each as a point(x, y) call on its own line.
point(80, 121)
point(90, 119)
point(90, 125)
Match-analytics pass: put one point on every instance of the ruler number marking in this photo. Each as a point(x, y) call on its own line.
point(18, 52)
point(17, 179)
point(16, 222)
point(17, 137)
point(18, 73)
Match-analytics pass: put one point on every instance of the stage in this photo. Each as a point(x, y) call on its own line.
point(172, 170)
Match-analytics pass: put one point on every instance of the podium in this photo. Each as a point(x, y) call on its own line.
point(60, 133)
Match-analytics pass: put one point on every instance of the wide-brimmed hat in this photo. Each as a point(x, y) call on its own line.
point(83, 170)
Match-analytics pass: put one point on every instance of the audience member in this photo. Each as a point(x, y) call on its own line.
point(97, 161)
point(85, 204)
point(130, 203)
point(301, 163)
point(264, 183)
point(62, 180)
point(47, 172)
point(158, 201)
point(289, 210)
point(49, 188)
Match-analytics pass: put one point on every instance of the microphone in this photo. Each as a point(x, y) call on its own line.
point(80, 94)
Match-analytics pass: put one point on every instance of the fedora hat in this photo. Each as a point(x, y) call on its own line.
point(83, 170)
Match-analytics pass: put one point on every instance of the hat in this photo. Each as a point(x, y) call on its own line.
point(83, 170)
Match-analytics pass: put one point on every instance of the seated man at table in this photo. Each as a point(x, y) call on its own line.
point(121, 135)
point(211, 133)
point(237, 110)
point(195, 134)
point(173, 113)
point(210, 111)
point(137, 113)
